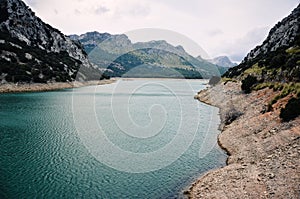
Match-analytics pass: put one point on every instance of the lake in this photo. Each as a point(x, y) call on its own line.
point(136, 138)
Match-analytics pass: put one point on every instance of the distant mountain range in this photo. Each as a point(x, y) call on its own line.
point(121, 57)
point(223, 61)
point(33, 51)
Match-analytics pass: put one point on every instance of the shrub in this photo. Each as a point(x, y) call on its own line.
point(263, 85)
point(214, 80)
point(291, 110)
point(231, 115)
point(248, 82)
point(278, 60)
point(278, 87)
point(286, 89)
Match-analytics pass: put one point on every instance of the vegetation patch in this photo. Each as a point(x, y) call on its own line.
point(291, 110)
point(276, 86)
point(280, 65)
point(293, 50)
point(225, 80)
point(286, 89)
point(248, 83)
point(214, 80)
point(254, 70)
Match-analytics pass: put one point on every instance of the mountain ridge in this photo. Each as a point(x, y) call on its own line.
point(157, 55)
point(223, 61)
point(277, 58)
point(33, 51)
point(275, 65)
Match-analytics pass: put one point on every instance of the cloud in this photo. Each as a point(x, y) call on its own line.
point(237, 49)
point(139, 10)
point(214, 32)
point(101, 10)
point(77, 12)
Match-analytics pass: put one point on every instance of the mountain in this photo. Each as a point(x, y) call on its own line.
point(275, 65)
point(278, 58)
point(223, 61)
point(120, 57)
point(115, 44)
point(33, 51)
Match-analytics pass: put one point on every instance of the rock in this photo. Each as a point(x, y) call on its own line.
point(28, 56)
point(283, 34)
point(271, 175)
point(21, 29)
point(258, 179)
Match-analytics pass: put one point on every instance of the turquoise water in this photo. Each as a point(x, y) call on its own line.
point(131, 139)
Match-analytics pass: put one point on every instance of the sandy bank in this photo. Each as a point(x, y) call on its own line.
point(36, 87)
point(264, 159)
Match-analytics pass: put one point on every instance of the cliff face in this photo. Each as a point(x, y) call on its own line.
point(284, 35)
point(33, 51)
point(113, 44)
point(278, 58)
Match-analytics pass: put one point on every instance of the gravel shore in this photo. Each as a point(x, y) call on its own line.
point(264, 153)
point(36, 87)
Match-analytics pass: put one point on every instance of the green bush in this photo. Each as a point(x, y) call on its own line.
point(286, 89)
point(263, 85)
point(248, 82)
point(291, 110)
point(214, 80)
point(279, 60)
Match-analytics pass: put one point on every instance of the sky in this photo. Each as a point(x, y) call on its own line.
point(219, 27)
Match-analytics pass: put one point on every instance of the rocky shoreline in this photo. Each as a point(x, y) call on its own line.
point(39, 87)
point(264, 153)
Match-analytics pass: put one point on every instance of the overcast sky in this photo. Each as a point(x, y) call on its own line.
point(220, 27)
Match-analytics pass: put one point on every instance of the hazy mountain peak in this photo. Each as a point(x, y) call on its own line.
point(180, 48)
point(223, 61)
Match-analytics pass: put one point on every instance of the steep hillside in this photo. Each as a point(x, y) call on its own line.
point(275, 64)
point(121, 57)
point(33, 51)
point(259, 103)
point(277, 59)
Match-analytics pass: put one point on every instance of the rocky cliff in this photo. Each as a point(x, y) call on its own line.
point(282, 35)
point(277, 59)
point(33, 51)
